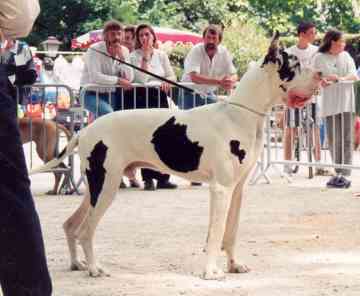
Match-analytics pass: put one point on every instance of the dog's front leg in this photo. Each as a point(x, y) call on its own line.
point(230, 236)
point(219, 206)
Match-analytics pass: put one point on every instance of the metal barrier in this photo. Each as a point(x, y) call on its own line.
point(338, 154)
point(49, 112)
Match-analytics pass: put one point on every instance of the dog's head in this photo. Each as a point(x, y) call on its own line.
point(297, 84)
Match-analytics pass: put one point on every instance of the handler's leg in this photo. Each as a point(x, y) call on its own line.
point(23, 267)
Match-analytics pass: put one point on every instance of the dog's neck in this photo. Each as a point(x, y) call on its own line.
point(259, 88)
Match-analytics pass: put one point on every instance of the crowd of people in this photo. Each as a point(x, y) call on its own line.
point(335, 105)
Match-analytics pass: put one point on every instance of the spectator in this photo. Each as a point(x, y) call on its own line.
point(337, 66)
point(305, 51)
point(154, 60)
point(129, 38)
point(20, 68)
point(23, 267)
point(103, 70)
point(210, 64)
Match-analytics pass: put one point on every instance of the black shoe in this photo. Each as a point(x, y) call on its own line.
point(122, 184)
point(195, 184)
point(166, 185)
point(134, 184)
point(149, 185)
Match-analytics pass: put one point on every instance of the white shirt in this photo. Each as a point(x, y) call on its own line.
point(101, 69)
point(197, 60)
point(306, 58)
point(339, 97)
point(159, 64)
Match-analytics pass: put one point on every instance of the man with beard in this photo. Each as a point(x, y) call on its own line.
point(210, 65)
point(102, 69)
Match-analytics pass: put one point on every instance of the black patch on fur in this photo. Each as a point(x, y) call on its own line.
point(96, 172)
point(287, 71)
point(62, 153)
point(174, 147)
point(234, 149)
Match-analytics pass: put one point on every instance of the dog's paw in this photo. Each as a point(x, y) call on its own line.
point(97, 271)
point(237, 268)
point(78, 265)
point(213, 274)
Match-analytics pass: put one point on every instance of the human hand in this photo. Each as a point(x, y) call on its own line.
point(125, 84)
point(227, 83)
point(165, 87)
point(5, 44)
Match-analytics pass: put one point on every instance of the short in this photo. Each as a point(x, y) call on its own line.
point(294, 117)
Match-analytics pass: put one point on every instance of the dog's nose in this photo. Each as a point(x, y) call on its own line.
point(319, 74)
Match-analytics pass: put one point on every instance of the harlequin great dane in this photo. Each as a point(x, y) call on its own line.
point(217, 143)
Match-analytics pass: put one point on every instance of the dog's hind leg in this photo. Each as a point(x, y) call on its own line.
point(230, 236)
point(220, 196)
point(96, 211)
point(71, 226)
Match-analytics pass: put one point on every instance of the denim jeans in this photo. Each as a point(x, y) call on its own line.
point(23, 267)
point(107, 103)
point(187, 100)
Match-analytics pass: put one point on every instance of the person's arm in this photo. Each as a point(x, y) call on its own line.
point(17, 17)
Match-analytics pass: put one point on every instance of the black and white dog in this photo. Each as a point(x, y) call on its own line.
point(217, 143)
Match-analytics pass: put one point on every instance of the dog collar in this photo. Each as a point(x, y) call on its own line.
point(247, 108)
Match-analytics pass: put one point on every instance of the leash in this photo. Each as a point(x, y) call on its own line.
point(247, 108)
point(146, 72)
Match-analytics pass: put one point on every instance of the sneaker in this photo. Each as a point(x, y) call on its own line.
point(338, 182)
point(134, 184)
point(195, 184)
point(166, 185)
point(149, 185)
point(346, 182)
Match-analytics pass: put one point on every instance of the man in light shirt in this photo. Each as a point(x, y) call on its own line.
point(23, 267)
point(102, 69)
point(210, 66)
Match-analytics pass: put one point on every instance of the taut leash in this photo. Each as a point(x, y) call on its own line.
point(145, 71)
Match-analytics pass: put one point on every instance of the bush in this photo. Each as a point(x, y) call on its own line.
point(246, 42)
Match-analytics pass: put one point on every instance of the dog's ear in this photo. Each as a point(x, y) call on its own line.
point(273, 51)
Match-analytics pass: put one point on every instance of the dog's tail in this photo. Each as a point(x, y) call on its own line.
point(68, 150)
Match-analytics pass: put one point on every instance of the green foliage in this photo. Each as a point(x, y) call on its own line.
point(247, 42)
point(177, 57)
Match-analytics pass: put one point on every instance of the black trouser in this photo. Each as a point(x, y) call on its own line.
point(136, 99)
point(23, 267)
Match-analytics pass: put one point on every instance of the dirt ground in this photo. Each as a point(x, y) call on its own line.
point(298, 239)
